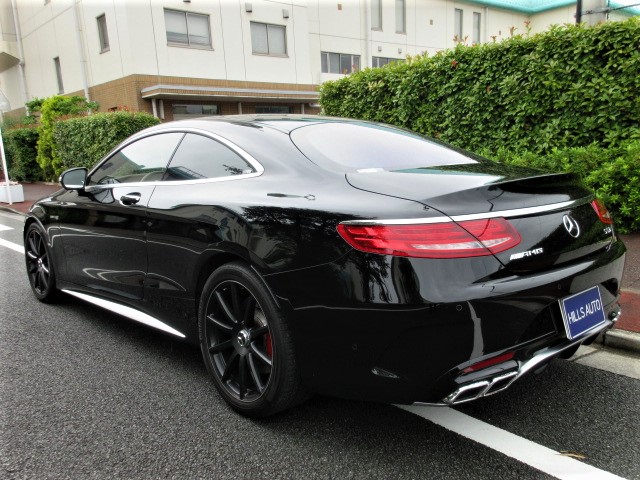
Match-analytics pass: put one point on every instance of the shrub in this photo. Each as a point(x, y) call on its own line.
point(52, 109)
point(82, 141)
point(21, 149)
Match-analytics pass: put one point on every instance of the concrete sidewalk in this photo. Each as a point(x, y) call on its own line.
point(625, 335)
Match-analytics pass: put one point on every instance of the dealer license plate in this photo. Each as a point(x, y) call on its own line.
point(582, 312)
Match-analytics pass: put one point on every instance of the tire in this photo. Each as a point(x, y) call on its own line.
point(39, 263)
point(246, 345)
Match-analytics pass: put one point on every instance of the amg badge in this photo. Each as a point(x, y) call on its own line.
point(528, 253)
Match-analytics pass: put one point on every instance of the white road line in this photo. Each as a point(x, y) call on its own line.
point(4, 227)
point(12, 216)
point(541, 458)
point(11, 245)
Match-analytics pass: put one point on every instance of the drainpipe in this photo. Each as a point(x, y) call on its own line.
point(23, 77)
point(367, 35)
point(83, 58)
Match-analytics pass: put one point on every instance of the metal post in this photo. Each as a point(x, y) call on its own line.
point(4, 168)
point(4, 106)
point(579, 11)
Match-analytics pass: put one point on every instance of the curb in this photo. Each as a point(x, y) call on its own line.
point(11, 210)
point(620, 340)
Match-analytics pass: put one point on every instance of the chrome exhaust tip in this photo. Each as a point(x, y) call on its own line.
point(475, 390)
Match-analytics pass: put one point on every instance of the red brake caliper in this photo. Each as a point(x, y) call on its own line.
point(268, 345)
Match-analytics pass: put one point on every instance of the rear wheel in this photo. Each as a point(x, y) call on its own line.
point(246, 344)
point(40, 265)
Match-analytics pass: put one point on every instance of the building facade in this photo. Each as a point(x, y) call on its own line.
point(185, 58)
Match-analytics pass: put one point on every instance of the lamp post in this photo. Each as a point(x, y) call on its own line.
point(4, 107)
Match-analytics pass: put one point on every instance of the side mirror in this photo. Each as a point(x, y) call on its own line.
point(74, 179)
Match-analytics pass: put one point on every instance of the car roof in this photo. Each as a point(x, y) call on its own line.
point(279, 122)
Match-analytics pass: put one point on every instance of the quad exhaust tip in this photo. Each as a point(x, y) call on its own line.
point(483, 388)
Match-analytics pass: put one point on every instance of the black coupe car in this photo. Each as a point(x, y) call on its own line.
point(311, 254)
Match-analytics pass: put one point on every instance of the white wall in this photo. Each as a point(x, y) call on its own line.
point(558, 16)
point(138, 43)
point(500, 22)
point(10, 86)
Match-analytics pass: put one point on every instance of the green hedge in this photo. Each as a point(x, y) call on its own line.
point(612, 173)
point(570, 86)
point(82, 141)
point(21, 149)
point(51, 109)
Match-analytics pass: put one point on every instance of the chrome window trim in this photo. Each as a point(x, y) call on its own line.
point(518, 212)
point(257, 166)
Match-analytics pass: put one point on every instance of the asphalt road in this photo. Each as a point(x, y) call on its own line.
point(87, 394)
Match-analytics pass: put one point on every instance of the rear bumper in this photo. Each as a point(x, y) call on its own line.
point(401, 330)
point(498, 382)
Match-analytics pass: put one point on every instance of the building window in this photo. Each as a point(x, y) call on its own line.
point(376, 14)
point(181, 111)
point(401, 17)
point(267, 39)
point(382, 61)
point(56, 62)
point(186, 28)
point(343, 63)
point(476, 27)
point(103, 33)
point(273, 109)
point(457, 24)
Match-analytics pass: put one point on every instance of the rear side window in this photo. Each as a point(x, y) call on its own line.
point(142, 161)
point(200, 157)
point(361, 146)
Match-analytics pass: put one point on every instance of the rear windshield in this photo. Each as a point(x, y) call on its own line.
point(365, 146)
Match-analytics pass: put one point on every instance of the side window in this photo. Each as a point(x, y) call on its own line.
point(200, 157)
point(142, 161)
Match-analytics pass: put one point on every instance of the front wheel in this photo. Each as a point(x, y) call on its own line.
point(246, 344)
point(39, 264)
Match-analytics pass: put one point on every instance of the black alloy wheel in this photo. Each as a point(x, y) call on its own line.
point(245, 343)
point(39, 264)
point(241, 346)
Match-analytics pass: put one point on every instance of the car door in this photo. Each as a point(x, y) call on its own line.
point(192, 218)
point(103, 226)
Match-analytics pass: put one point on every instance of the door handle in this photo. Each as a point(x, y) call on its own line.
point(130, 198)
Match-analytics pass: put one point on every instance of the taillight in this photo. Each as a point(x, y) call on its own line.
point(602, 211)
point(505, 357)
point(472, 238)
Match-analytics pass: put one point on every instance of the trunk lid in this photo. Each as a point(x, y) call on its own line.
point(551, 212)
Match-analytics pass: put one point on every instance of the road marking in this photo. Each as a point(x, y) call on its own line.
point(11, 245)
point(541, 458)
point(614, 361)
point(4, 227)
